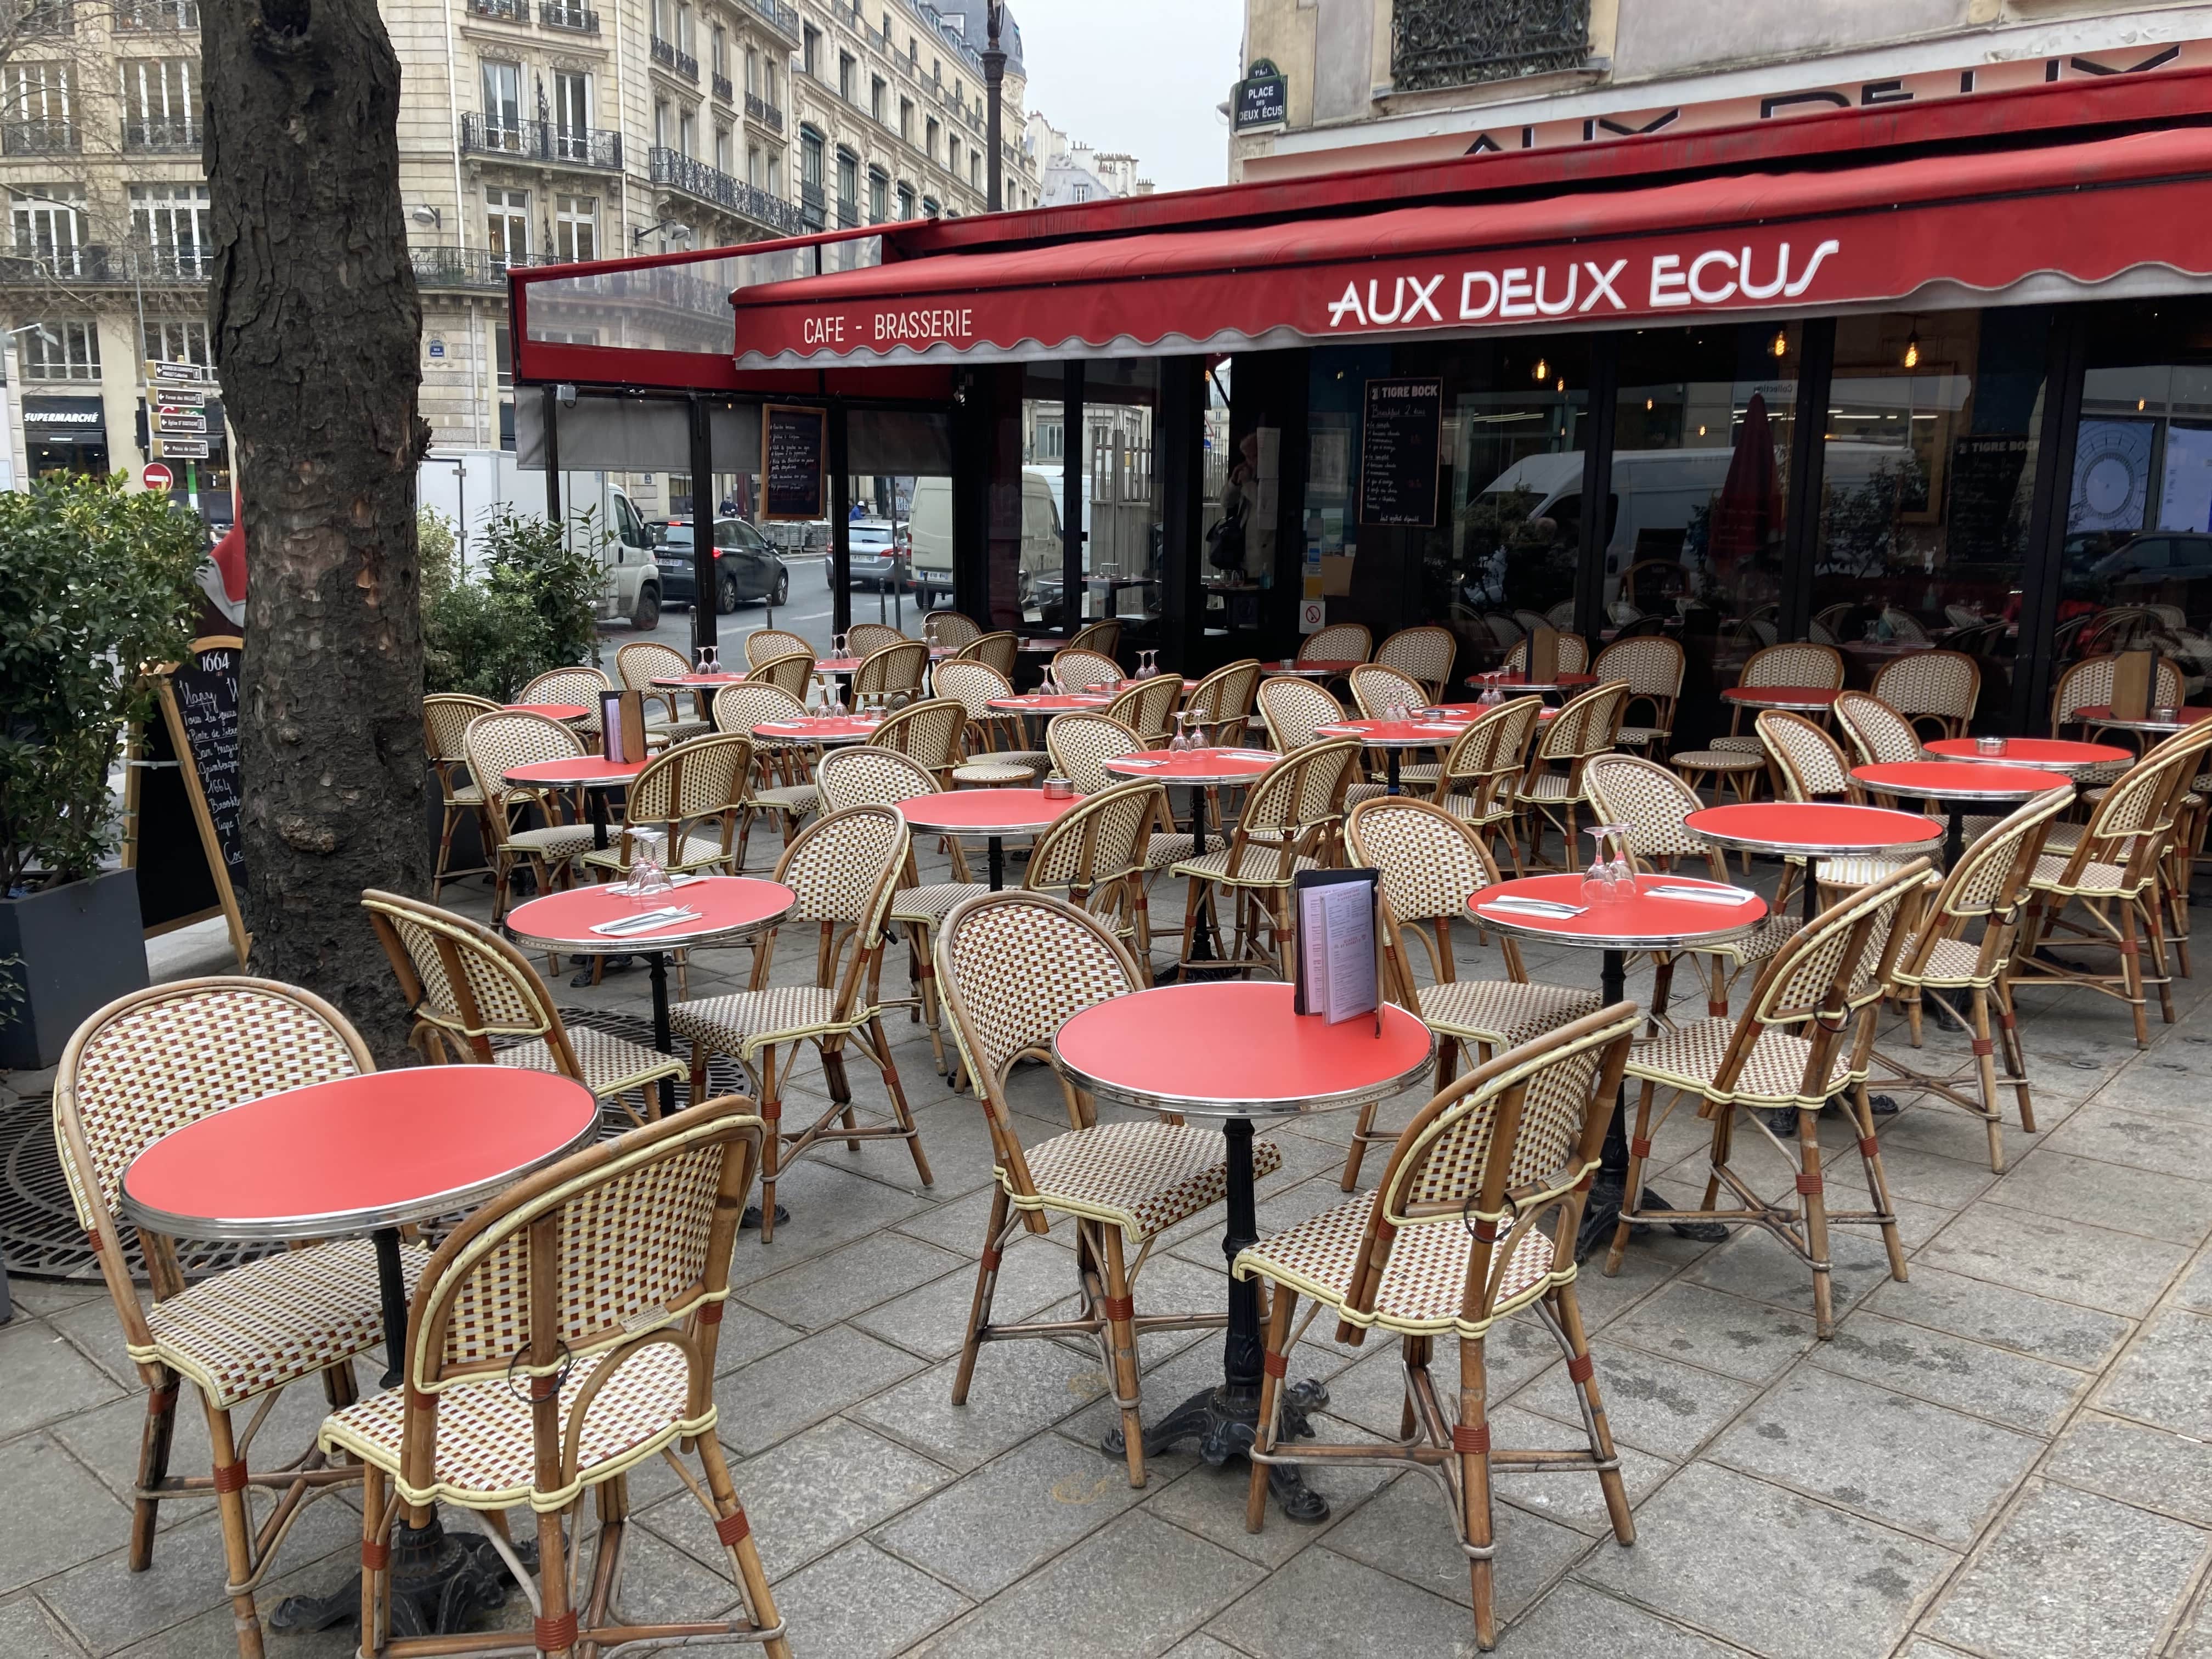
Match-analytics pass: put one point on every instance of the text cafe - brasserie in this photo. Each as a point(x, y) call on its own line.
point(1874, 377)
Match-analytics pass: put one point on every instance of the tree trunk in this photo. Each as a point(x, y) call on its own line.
point(315, 321)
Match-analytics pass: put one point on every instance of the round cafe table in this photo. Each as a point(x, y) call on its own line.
point(552, 711)
point(1814, 830)
point(1617, 926)
point(993, 814)
point(1394, 737)
point(823, 731)
point(1511, 681)
point(716, 910)
point(1235, 1050)
point(1798, 699)
point(1959, 784)
point(701, 687)
point(2179, 720)
point(1053, 703)
point(367, 1154)
point(1318, 669)
point(1198, 770)
point(588, 772)
point(2048, 754)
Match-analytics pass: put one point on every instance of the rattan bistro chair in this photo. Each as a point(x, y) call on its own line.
point(867, 638)
point(766, 644)
point(638, 665)
point(1987, 890)
point(1222, 702)
point(496, 744)
point(1879, 733)
point(1295, 709)
point(845, 868)
point(466, 986)
point(1796, 663)
point(1148, 707)
point(1938, 686)
point(896, 671)
point(1474, 1220)
point(1813, 766)
point(1338, 642)
point(145, 1065)
point(1651, 666)
point(1015, 967)
point(1000, 650)
point(1551, 789)
point(1433, 864)
point(563, 1336)
point(1426, 652)
point(1074, 669)
point(779, 788)
point(1290, 822)
point(694, 795)
point(577, 685)
point(991, 737)
point(446, 717)
point(1080, 744)
point(1801, 1043)
point(1095, 853)
point(950, 630)
point(1105, 637)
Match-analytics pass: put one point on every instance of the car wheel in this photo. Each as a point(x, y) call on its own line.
point(781, 593)
point(726, 595)
point(646, 616)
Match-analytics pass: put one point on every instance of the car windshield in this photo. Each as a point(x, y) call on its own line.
point(677, 534)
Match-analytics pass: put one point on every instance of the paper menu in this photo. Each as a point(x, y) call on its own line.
point(1338, 974)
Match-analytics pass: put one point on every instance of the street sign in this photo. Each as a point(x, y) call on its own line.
point(188, 397)
point(1262, 100)
point(183, 449)
point(164, 373)
point(156, 477)
point(179, 419)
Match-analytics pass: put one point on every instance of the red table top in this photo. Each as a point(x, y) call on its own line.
point(1507, 680)
point(1645, 918)
point(835, 664)
point(1781, 696)
point(1815, 827)
point(1194, 765)
point(820, 728)
point(357, 1153)
point(1038, 702)
point(552, 711)
point(2101, 714)
point(1315, 665)
point(987, 811)
point(726, 905)
point(1233, 1049)
point(584, 769)
point(1395, 734)
point(2057, 752)
point(696, 682)
point(1948, 779)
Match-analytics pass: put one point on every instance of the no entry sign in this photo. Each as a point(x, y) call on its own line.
point(157, 477)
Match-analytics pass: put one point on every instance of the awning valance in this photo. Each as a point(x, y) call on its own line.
point(2129, 214)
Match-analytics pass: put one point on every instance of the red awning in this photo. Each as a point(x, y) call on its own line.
point(2123, 215)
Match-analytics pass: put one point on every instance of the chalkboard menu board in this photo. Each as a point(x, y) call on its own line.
point(1399, 440)
point(1989, 519)
point(793, 447)
point(183, 799)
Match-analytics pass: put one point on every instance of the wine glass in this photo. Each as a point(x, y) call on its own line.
point(648, 873)
point(1622, 870)
point(1148, 665)
point(709, 660)
point(1597, 881)
point(841, 645)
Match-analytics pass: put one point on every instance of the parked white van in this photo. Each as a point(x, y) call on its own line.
point(931, 524)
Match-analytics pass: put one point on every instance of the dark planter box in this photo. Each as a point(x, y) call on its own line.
point(468, 843)
point(81, 946)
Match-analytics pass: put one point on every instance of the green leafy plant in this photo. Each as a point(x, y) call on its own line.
point(531, 608)
point(95, 582)
point(435, 551)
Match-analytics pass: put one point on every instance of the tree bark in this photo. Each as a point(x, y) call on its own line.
point(315, 321)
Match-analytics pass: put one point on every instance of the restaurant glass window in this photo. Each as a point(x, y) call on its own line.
point(2137, 564)
point(1928, 469)
point(1697, 500)
point(1124, 513)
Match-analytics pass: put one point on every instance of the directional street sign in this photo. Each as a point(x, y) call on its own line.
point(189, 372)
point(189, 397)
point(184, 449)
point(168, 420)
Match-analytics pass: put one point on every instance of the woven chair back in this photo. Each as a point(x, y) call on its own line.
point(1584, 725)
point(792, 673)
point(1224, 697)
point(950, 630)
point(1812, 767)
point(999, 650)
point(1795, 663)
point(577, 685)
point(928, 732)
point(868, 638)
point(1573, 658)
point(898, 668)
point(767, 644)
point(1431, 863)
point(1937, 685)
point(1492, 752)
point(1823, 969)
point(2089, 685)
point(1101, 840)
point(446, 716)
point(1105, 637)
point(1650, 664)
point(460, 976)
point(1338, 642)
point(1879, 733)
point(1650, 801)
point(1295, 709)
point(865, 774)
point(1077, 669)
point(1425, 653)
point(1081, 743)
point(1291, 807)
point(1147, 706)
point(1903, 627)
point(1376, 686)
point(696, 780)
point(638, 663)
point(738, 709)
point(973, 685)
point(844, 867)
point(496, 744)
point(1988, 885)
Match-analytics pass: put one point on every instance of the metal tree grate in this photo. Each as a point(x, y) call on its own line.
point(40, 1237)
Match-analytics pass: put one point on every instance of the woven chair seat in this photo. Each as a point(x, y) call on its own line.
point(676, 731)
point(1425, 1284)
point(554, 841)
point(1143, 1176)
point(611, 1065)
point(747, 1021)
point(1500, 1012)
point(2094, 878)
point(1639, 737)
point(484, 1458)
point(1689, 1058)
point(1716, 760)
point(1952, 962)
point(796, 798)
point(1421, 771)
point(928, 904)
point(1261, 867)
point(1162, 852)
point(699, 848)
point(1853, 871)
point(1740, 743)
point(987, 772)
point(275, 1320)
point(466, 795)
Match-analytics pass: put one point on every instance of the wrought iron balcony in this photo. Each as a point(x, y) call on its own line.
point(575, 18)
point(542, 141)
point(713, 185)
point(764, 112)
point(158, 14)
point(170, 134)
point(454, 267)
point(778, 15)
point(723, 90)
point(683, 62)
point(1453, 43)
point(507, 11)
point(38, 138)
point(133, 261)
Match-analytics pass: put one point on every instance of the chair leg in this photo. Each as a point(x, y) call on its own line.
point(1582, 1371)
point(1815, 1210)
point(1273, 1368)
point(2015, 1057)
point(730, 1524)
point(153, 1464)
point(1877, 1179)
point(1470, 1441)
point(375, 1526)
point(986, 1286)
point(553, 1587)
point(771, 1110)
point(1985, 1066)
point(2131, 972)
point(1122, 1342)
point(1639, 1147)
point(237, 1528)
point(1358, 1150)
point(900, 1110)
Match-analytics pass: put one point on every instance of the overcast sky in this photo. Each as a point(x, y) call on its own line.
point(1140, 75)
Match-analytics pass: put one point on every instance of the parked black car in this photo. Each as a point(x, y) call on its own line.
point(747, 569)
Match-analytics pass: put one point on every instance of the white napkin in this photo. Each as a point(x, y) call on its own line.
point(1532, 906)
point(1432, 726)
point(1250, 754)
point(1131, 763)
point(1703, 895)
point(647, 921)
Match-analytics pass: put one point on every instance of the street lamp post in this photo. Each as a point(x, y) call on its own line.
point(995, 74)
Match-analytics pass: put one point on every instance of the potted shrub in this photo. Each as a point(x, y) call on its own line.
point(94, 582)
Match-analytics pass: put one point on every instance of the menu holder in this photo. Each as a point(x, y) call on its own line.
point(1338, 974)
point(2132, 676)
point(1543, 656)
point(622, 726)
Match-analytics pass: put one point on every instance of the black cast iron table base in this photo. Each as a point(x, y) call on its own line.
point(1224, 1420)
point(440, 1580)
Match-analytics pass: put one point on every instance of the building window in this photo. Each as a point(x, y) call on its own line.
point(503, 355)
point(929, 208)
point(849, 188)
point(975, 171)
point(767, 80)
point(879, 197)
point(953, 156)
point(685, 41)
point(506, 226)
point(159, 103)
point(810, 52)
point(41, 109)
point(572, 115)
point(660, 123)
point(876, 91)
point(755, 175)
point(847, 75)
point(170, 222)
point(906, 120)
point(47, 227)
point(774, 175)
point(178, 340)
point(929, 139)
point(1082, 192)
point(812, 206)
point(502, 104)
point(722, 151)
point(687, 132)
point(576, 227)
point(719, 54)
point(905, 200)
point(60, 351)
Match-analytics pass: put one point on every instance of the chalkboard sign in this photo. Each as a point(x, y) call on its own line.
point(1399, 440)
point(182, 800)
point(1989, 518)
point(794, 446)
